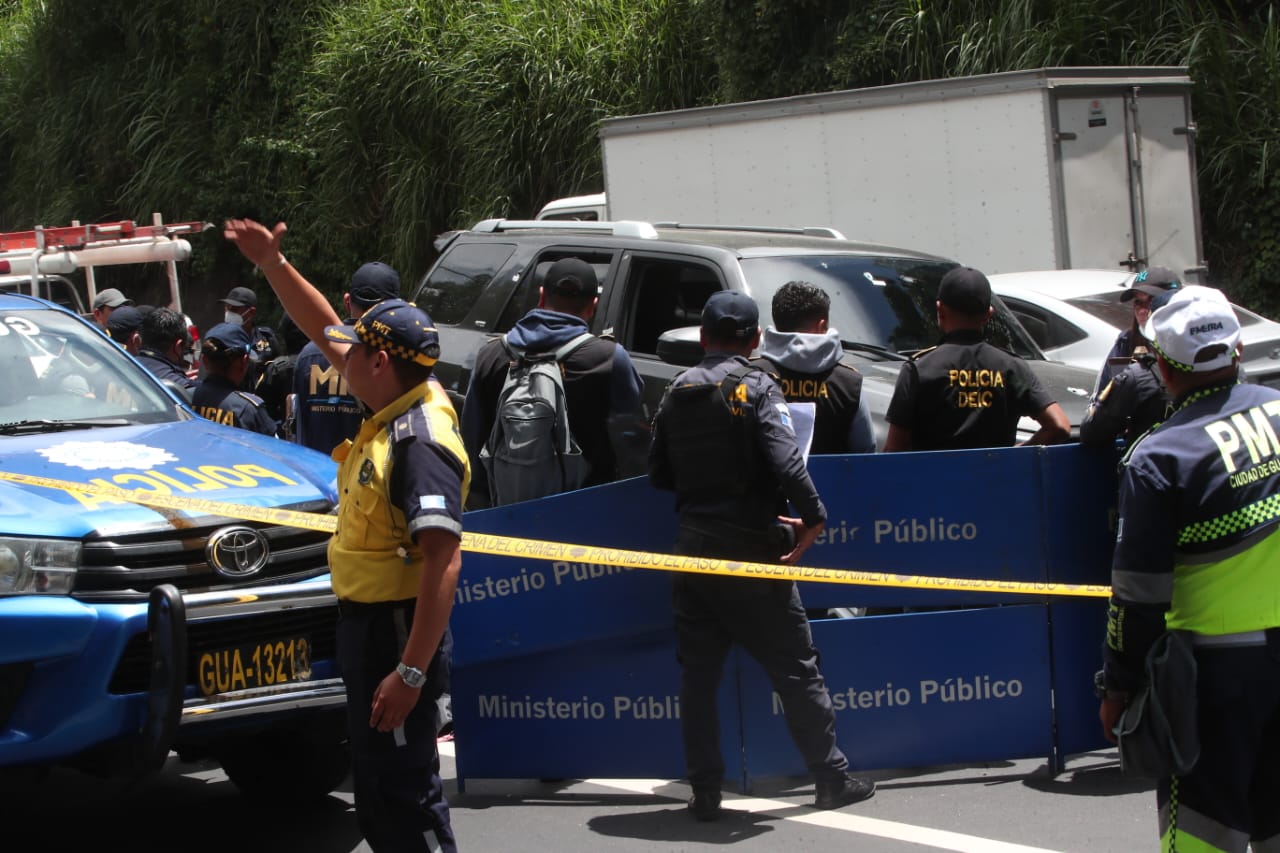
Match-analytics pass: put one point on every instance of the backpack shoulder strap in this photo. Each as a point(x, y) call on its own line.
point(567, 349)
point(514, 353)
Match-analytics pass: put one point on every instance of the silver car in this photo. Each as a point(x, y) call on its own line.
point(1075, 315)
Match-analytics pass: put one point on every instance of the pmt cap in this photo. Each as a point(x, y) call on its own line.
point(1196, 331)
point(401, 329)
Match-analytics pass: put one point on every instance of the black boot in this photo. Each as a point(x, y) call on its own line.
point(842, 792)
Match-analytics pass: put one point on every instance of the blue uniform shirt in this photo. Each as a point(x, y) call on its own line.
point(221, 402)
point(326, 414)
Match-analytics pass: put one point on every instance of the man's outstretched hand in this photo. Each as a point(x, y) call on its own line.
point(260, 246)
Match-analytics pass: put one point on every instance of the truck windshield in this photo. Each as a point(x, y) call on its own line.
point(58, 370)
point(883, 301)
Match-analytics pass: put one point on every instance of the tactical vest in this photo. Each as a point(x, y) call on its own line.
point(835, 393)
point(371, 555)
point(707, 437)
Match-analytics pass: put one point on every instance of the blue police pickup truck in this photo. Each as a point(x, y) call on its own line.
point(129, 632)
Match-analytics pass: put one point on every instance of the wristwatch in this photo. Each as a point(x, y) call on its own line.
point(411, 675)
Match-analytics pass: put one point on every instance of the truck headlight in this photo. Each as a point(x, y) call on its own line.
point(38, 566)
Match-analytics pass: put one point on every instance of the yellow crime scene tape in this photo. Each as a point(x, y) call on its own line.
point(509, 546)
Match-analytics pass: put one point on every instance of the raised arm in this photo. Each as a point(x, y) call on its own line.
point(302, 300)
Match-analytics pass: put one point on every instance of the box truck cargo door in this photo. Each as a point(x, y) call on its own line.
point(1128, 180)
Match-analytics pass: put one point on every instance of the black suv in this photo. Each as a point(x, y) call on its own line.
point(654, 279)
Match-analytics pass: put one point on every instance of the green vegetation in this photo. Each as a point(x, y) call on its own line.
point(373, 125)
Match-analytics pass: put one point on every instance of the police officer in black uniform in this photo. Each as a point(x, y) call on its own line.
point(218, 397)
point(165, 344)
point(241, 309)
point(276, 382)
point(965, 393)
point(804, 355)
point(1135, 398)
point(722, 440)
point(1147, 286)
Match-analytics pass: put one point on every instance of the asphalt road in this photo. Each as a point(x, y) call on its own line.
point(1005, 806)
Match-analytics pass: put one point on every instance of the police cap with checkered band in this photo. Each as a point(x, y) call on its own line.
point(401, 329)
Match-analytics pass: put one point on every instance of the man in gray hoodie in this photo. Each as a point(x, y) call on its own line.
point(803, 353)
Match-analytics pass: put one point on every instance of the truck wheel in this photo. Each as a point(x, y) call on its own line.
point(298, 762)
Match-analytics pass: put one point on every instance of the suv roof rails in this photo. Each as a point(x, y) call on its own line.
point(621, 228)
point(806, 231)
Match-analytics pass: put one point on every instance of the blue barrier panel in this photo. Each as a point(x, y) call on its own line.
point(593, 633)
point(507, 607)
point(919, 689)
point(1083, 485)
point(1002, 514)
point(601, 709)
point(1077, 631)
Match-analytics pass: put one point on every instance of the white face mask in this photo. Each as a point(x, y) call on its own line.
point(233, 318)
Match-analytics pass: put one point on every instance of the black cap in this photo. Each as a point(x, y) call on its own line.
point(372, 283)
point(571, 277)
point(1153, 281)
point(123, 322)
point(399, 328)
point(966, 290)
point(241, 297)
point(730, 314)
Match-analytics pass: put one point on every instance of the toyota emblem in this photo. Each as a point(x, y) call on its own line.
point(237, 552)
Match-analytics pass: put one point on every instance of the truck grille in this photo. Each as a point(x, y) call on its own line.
point(126, 568)
point(318, 624)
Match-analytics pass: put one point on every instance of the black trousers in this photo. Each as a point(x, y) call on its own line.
point(1232, 795)
point(400, 802)
point(767, 618)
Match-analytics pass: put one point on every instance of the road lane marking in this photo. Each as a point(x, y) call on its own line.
point(939, 839)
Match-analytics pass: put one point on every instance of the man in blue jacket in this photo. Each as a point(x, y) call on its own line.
point(599, 377)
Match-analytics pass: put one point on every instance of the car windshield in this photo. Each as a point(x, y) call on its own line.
point(60, 372)
point(1109, 308)
point(886, 302)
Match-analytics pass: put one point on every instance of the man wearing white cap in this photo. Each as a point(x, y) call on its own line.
point(1198, 553)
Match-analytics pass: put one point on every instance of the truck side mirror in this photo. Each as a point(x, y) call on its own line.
point(681, 347)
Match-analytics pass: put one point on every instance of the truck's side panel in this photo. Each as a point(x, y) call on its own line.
point(971, 168)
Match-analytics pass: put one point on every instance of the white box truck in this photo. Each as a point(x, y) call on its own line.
point(1051, 168)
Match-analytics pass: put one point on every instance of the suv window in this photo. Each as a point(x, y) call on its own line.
point(664, 294)
point(457, 281)
point(883, 301)
point(525, 297)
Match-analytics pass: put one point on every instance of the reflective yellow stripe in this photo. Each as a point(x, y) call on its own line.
point(507, 546)
point(1236, 594)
